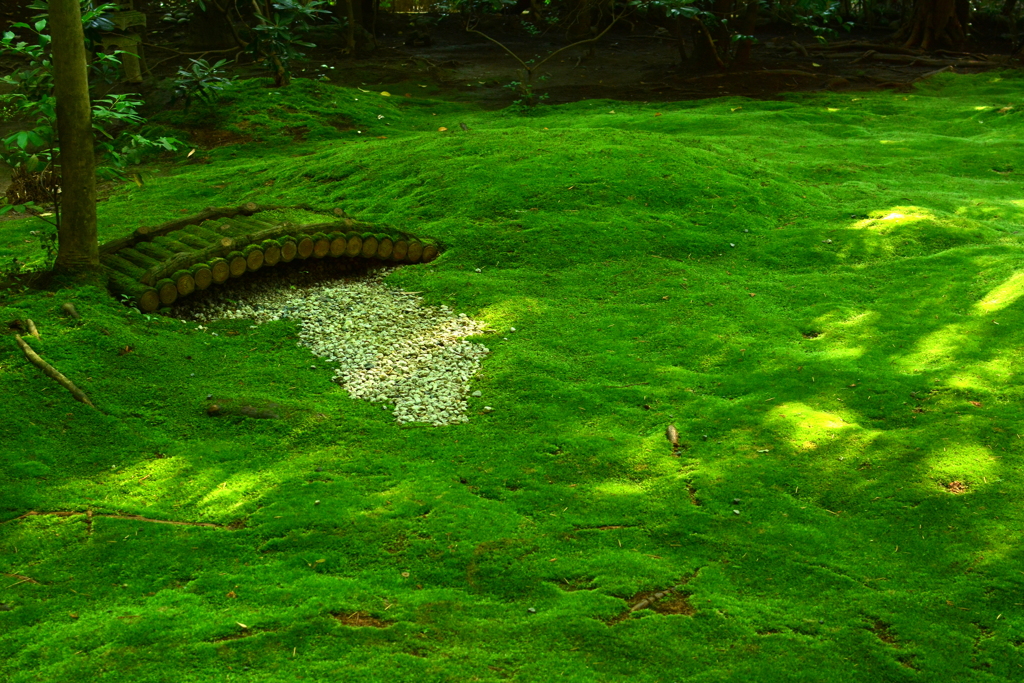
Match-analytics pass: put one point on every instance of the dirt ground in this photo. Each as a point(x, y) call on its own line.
point(638, 62)
point(635, 61)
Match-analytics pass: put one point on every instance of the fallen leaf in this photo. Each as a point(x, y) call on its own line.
point(231, 594)
point(976, 403)
point(385, 93)
point(408, 94)
point(193, 151)
point(441, 129)
point(658, 114)
point(241, 624)
point(752, 294)
point(813, 64)
point(736, 109)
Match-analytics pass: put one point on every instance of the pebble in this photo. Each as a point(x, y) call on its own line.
point(386, 346)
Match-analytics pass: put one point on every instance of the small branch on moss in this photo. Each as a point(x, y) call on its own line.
point(52, 372)
point(32, 328)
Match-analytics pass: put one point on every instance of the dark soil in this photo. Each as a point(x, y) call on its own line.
point(636, 61)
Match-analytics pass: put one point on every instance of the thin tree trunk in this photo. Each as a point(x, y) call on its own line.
point(749, 23)
point(77, 248)
point(350, 29)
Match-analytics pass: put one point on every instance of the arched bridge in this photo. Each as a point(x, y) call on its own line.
point(156, 266)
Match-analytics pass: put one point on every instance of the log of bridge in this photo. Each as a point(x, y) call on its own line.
point(288, 248)
point(210, 236)
point(401, 249)
point(138, 259)
point(321, 245)
point(384, 247)
point(339, 244)
point(237, 264)
point(271, 252)
point(184, 282)
point(430, 251)
point(220, 270)
point(202, 275)
point(369, 249)
point(355, 244)
point(415, 251)
point(179, 261)
point(304, 246)
point(167, 290)
point(146, 298)
point(210, 213)
point(172, 245)
point(253, 258)
point(115, 262)
point(194, 241)
point(155, 251)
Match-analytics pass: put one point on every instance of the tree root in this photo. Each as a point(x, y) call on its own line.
point(52, 372)
point(32, 328)
point(766, 72)
point(135, 518)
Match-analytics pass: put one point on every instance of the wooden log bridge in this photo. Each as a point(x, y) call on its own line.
point(156, 266)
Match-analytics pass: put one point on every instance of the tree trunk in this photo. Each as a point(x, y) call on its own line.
point(748, 24)
point(77, 248)
point(937, 23)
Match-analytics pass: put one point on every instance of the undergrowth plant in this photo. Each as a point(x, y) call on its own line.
point(202, 81)
point(34, 150)
point(280, 33)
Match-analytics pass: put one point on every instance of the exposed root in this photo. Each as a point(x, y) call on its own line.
point(52, 372)
point(360, 619)
point(135, 518)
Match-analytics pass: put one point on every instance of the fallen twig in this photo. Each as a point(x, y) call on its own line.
point(52, 372)
point(32, 328)
point(24, 579)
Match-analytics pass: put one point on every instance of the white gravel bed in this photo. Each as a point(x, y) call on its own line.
point(388, 347)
